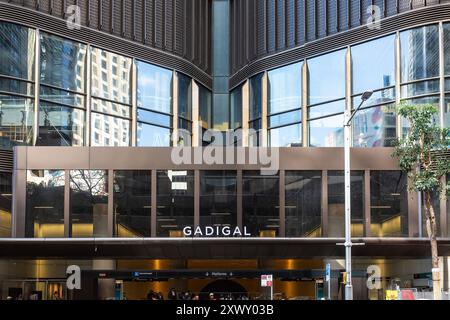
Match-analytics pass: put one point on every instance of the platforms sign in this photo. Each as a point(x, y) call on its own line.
point(266, 280)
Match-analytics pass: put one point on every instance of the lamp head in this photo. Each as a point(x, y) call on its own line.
point(366, 95)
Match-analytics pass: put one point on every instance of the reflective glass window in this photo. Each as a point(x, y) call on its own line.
point(132, 203)
point(89, 203)
point(155, 118)
point(60, 126)
point(175, 202)
point(285, 87)
point(62, 97)
point(389, 204)
point(154, 87)
point(287, 136)
point(434, 100)
point(218, 202)
point(184, 96)
point(446, 27)
point(62, 63)
point(303, 205)
point(152, 136)
point(114, 109)
point(236, 108)
point(373, 64)
point(16, 121)
point(327, 77)
point(45, 204)
point(111, 76)
point(375, 127)
point(17, 50)
point(326, 109)
point(255, 89)
point(419, 53)
point(419, 88)
point(110, 131)
point(260, 204)
point(327, 132)
point(5, 204)
point(336, 203)
point(447, 111)
point(205, 105)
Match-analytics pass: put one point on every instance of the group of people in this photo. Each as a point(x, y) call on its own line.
point(188, 295)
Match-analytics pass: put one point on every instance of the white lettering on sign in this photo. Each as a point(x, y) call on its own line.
point(215, 231)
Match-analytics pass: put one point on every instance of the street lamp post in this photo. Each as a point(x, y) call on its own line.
point(348, 220)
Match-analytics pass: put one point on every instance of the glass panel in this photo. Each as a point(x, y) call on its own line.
point(327, 77)
point(132, 203)
point(303, 204)
point(375, 127)
point(255, 132)
point(419, 53)
point(373, 64)
point(218, 202)
point(285, 118)
point(447, 111)
point(420, 88)
point(236, 108)
point(156, 118)
point(326, 109)
point(16, 86)
point(427, 100)
point(205, 114)
point(17, 48)
point(111, 76)
point(285, 87)
point(327, 132)
point(89, 203)
point(289, 136)
point(154, 87)
point(260, 204)
point(379, 97)
point(114, 109)
point(109, 131)
point(184, 96)
point(447, 48)
point(255, 89)
point(152, 136)
point(62, 62)
point(175, 203)
point(45, 204)
point(61, 96)
point(389, 204)
point(60, 126)
point(5, 204)
point(16, 121)
point(336, 203)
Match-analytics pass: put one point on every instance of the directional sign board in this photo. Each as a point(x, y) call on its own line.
point(266, 280)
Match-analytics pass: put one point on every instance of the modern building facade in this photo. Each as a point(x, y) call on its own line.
point(94, 118)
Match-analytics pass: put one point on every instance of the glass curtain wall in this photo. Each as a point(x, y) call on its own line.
point(184, 110)
point(236, 115)
point(89, 203)
point(446, 111)
point(111, 99)
point(218, 201)
point(132, 203)
point(175, 202)
point(373, 69)
point(303, 204)
point(17, 59)
point(205, 113)
point(255, 110)
point(260, 204)
point(45, 204)
point(326, 99)
point(62, 92)
point(154, 100)
point(284, 108)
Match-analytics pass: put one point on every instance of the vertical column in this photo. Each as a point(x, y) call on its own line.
point(134, 112)
point(197, 198)
point(19, 203)
point(175, 109)
point(105, 287)
point(67, 224)
point(367, 217)
point(348, 89)
point(441, 74)
point(324, 203)
point(111, 213)
point(240, 185)
point(154, 204)
point(398, 80)
point(282, 204)
point(196, 127)
point(87, 103)
point(245, 113)
point(37, 77)
point(413, 213)
point(304, 91)
point(264, 113)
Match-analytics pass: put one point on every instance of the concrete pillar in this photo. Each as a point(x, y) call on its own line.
point(105, 287)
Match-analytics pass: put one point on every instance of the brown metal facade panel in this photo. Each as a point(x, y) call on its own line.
point(321, 26)
point(143, 29)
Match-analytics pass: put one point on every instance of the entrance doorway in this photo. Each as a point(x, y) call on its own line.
point(224, 289)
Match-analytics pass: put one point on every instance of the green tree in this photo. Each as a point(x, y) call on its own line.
point(422, 154)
